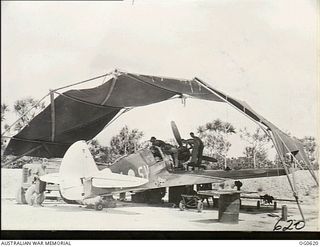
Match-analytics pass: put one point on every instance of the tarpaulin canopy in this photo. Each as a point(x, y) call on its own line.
point(82, 114)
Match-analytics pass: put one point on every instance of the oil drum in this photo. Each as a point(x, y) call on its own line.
point(229, 207)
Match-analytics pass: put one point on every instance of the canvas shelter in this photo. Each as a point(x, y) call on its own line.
point(81, 114)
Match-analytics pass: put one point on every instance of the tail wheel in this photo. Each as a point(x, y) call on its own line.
point(31, 196)
point(200, 206)
point(182, 206)
point(20, 197)
point(98, 206)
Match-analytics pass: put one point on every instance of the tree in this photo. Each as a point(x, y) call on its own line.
point(100, 153)
point(4, 110)
point(256, 150)
point(126, 142)
point(310, 147)
point(23, 109)
point(26, 110)
point(215, 138)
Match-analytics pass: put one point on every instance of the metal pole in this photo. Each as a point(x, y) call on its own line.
point(259, 124)
point(53, 116)
point(77, 83)
point(290, 183)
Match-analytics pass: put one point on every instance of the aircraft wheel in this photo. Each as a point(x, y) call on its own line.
point(31, 196)
point(182, 206)
point(200, 206)
point(20, 197)
point(98, 206)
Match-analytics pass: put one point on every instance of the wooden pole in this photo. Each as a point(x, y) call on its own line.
point(53, 116)
point(284, 213)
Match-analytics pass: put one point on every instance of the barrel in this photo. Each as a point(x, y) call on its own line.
point(229, 207)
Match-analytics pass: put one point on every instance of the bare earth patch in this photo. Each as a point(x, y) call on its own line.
point(129, 216)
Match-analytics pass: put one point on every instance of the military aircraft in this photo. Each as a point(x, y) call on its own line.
point(145, 174)
point(81, 181)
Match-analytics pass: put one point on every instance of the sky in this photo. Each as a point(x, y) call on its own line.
point(263, 52)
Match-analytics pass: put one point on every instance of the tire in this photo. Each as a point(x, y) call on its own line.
point(98, 206)
point(31, 196)
point(20, 197)
point(182, 206)
point(200, 206)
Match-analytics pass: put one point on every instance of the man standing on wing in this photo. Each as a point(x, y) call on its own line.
point(166, 149)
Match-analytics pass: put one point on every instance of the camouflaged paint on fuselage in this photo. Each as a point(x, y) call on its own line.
point(143, 164)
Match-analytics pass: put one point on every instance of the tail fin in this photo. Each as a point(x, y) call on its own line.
point(76, 164)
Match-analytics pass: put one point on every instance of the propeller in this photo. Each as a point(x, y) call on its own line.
point(176, 133)
point(178, 138)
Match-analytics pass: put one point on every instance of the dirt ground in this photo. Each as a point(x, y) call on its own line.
point(56, 215)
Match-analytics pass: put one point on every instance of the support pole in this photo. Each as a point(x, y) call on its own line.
point(53, 116)
point(287, 174)
point(274, 142)
point(78, 83)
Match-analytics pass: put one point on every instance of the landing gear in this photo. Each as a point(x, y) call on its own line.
point(100, 202)
point(98, 206)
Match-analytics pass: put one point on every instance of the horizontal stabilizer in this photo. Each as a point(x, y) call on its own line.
point(54, 178)
point(107, 179)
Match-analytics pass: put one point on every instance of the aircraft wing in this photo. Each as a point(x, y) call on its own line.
point(167, 179)
point(176, 179)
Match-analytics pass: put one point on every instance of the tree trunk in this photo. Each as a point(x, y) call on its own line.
point(254, 159)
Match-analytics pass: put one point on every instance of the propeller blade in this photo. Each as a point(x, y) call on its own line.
point(176, 133)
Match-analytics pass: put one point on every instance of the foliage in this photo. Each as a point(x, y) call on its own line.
point(310, 147)
point(256, 151)
point(215, 138)
point(126, 142)
point(100, 153)
point(4, 110)
point(23, 109)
